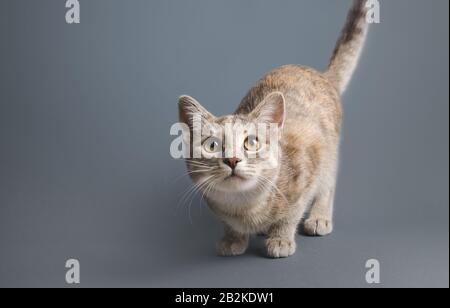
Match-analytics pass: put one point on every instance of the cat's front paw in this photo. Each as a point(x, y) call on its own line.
point(230, 248)
point(318, 227)
point(280, 247)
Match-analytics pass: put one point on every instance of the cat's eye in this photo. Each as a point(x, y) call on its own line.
point(212, 145)
point(252, 144)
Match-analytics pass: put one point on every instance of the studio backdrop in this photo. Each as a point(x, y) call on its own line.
point(86, 172)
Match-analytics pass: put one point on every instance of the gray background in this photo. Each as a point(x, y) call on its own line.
point(85, 112)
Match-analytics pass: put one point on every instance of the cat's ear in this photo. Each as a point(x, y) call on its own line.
point(272, 110)
point(189, 108)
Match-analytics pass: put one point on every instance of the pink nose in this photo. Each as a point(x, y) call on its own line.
point(232, 162)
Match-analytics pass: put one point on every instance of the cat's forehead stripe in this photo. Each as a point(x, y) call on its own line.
point(232, 119)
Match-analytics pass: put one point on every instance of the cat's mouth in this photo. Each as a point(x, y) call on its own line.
point(235, 177)
point(236, 182)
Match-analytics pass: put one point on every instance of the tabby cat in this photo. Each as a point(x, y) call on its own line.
point(294, 182)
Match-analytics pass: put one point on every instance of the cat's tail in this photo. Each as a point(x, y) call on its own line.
point(349, 46)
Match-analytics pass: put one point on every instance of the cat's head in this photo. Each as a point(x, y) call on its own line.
point(237, 153)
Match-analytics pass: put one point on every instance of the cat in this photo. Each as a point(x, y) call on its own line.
point(294, 183)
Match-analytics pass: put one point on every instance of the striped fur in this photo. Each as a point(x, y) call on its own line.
point(296, 185)
point(348, 48)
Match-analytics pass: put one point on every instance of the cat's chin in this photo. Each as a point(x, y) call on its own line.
point(237, 183)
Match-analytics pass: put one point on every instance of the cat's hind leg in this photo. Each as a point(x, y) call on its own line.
point(320, 219)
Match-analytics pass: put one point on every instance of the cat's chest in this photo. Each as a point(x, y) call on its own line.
point(244, 218)
point(247, 224)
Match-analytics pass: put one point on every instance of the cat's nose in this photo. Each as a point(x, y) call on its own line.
point(232, 162)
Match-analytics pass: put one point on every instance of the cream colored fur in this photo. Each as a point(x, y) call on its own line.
point(273, 195)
